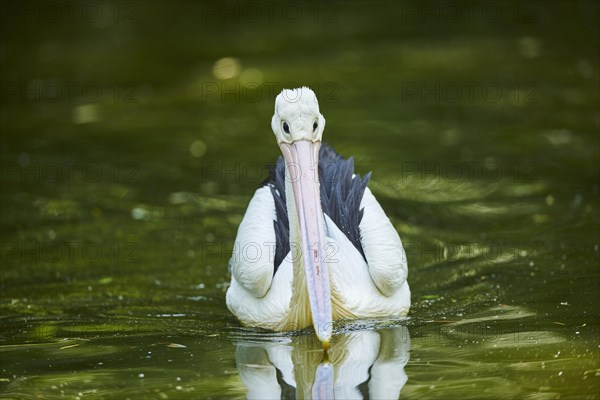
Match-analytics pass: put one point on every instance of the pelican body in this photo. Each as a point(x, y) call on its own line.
point(314, 245)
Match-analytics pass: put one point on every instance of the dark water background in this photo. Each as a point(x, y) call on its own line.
point(134, 133)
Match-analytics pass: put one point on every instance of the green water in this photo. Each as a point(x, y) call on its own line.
point(129, 153)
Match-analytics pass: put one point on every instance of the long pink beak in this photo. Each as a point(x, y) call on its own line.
point(302, 159)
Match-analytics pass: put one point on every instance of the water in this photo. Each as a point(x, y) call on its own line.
point(127, 164)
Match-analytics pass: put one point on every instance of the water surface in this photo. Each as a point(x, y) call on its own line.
point(132, 141)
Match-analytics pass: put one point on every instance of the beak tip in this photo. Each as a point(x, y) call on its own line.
point(324, 332)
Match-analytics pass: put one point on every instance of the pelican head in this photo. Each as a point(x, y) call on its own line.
point(297, 117)
point(298, 126)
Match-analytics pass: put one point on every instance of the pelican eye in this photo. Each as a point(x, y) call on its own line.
point(286, 127)
point(315, 125)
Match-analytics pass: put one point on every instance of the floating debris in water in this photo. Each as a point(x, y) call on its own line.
point(169, 315)
point(197, 298)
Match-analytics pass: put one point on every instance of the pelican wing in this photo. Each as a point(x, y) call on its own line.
point(382, 246)
point(252, 260)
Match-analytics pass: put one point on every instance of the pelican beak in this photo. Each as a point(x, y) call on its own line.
point(302, 160)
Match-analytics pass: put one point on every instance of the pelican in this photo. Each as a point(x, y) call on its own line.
point(314, 245)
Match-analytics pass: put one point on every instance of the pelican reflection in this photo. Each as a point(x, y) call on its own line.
point(359, 365)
